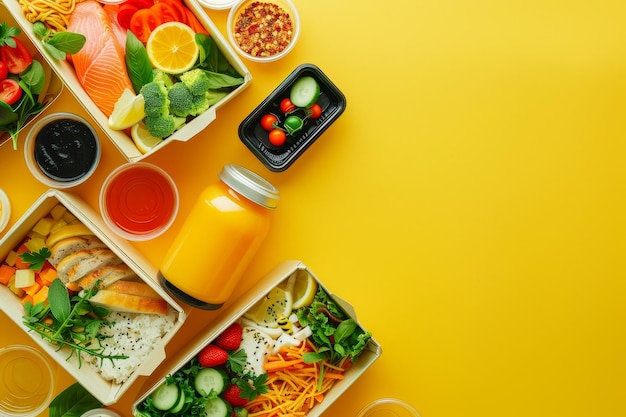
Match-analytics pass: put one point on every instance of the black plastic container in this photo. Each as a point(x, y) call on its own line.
point(256, 138)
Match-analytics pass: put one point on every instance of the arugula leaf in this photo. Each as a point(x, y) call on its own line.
point(73, 402)
point(35, 259)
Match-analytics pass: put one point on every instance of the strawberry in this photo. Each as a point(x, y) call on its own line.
point(230, 339)
point(211, 356)
point(232, 394)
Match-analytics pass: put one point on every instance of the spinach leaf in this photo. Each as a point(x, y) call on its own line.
point(137, 62)
point(73, 402)
point(35, 77)
point(218, 80)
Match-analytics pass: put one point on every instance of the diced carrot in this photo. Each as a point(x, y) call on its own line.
point(6, 272)
point(47, 275)
point(32, 290)
point(41, 296)
point(19, 263)
point(27, 298)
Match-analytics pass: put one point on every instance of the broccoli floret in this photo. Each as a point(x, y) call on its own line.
point(196, 81)
point(181, 100)
point(156, 102)
point(203, 102)
point(159, 75)
point(164, 125)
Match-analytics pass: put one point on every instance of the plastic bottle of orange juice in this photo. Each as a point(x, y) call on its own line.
point(227, 224)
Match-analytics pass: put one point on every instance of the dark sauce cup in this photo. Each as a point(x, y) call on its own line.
point(62, 150)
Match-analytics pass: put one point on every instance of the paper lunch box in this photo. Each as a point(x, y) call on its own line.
point(122, 140)
point(106, 391)
point(53, 85)
point(234, 311)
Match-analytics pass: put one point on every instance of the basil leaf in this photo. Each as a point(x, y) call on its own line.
point(344, 330)
point(68, 42)
point(217, 80)
point(40, 29)
point(73, 402)
point(59, 300)
point(54, 52)
point(137, 62)
point(35, 77)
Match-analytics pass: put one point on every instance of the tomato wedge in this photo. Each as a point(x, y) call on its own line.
point(16, 59)
point(140, 4)
point(10, 91)
point(178, 7)
point(143, 23)
point(125, 14)
point(167, 13)
point(4, 71)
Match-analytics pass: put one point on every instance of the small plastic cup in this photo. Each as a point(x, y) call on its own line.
point(218, 4)
point(100, 412)
point(5, 210)
point(139, 201)
point(388, 407)
point(27, 382)
point(236, 14)
point(62, 150)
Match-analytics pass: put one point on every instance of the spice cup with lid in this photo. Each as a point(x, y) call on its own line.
point(220, 236)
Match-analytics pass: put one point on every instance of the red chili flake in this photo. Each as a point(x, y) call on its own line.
point(263, 29)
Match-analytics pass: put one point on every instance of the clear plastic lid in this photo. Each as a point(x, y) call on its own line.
point(250, 185)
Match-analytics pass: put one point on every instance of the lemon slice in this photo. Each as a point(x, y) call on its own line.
point(304, 289)
point(143, 139)
point(127, 111)
point(267, 310)
point(64, 232)
point(172, 47)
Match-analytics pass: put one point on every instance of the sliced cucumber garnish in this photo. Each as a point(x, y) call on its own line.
point(165, 397)
point(178, 407)
point(304, 92)
point(217, 407)
point(210, 379)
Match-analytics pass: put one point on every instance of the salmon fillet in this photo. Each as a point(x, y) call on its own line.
point(99, 65)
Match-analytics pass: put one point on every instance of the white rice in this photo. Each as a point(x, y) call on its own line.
point(130, 334)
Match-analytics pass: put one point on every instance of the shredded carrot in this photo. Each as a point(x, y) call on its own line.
point(294, 386)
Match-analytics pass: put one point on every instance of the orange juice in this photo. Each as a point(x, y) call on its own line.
point(227, 224)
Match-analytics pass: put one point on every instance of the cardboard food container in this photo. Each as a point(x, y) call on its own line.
point(107, 392)
point(122, 141)
point(53, 86)
point(235, 310)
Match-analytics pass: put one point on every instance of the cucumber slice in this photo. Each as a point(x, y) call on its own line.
point(217, 407)
point(304, 92)
point(178, 407)
point(165, 397)
point(210, 379)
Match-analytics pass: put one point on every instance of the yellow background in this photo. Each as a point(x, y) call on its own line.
point(469, 202)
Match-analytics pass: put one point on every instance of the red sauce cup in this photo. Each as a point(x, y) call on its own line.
point(139, 201)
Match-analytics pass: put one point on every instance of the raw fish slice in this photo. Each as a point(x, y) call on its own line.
point(99, 65)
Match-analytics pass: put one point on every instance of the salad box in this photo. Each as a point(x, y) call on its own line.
point(120, 138)
point(239, 310)
point(106, 390)
point(53, 84)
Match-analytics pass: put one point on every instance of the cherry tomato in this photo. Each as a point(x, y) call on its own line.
point(16, 59)
point(314, 111)
point(143, 23)
point(125, 14)
point(10, 91)
point(286, 106)
point(4, 71)
point(277, 137)
point(267, 122)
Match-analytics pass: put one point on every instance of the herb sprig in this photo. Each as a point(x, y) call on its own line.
point(59, 44)
point(69, 321)
point(36, 259)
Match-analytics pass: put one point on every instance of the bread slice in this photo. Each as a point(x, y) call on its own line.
point(134, 288)
point(108, 275)
point(129, 303)
point(73, 244)
point(99, 259)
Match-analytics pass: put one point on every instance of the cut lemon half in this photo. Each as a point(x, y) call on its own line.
point(143, 139)
point(172, 47)
point(127, 111)
point(67, 231)
point(267, 310)
point(304, 289)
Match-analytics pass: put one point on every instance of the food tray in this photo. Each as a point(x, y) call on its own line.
point(234, 310)
point(279, 158)
point(105, 391)
point(54, 83)
point(122, 141)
